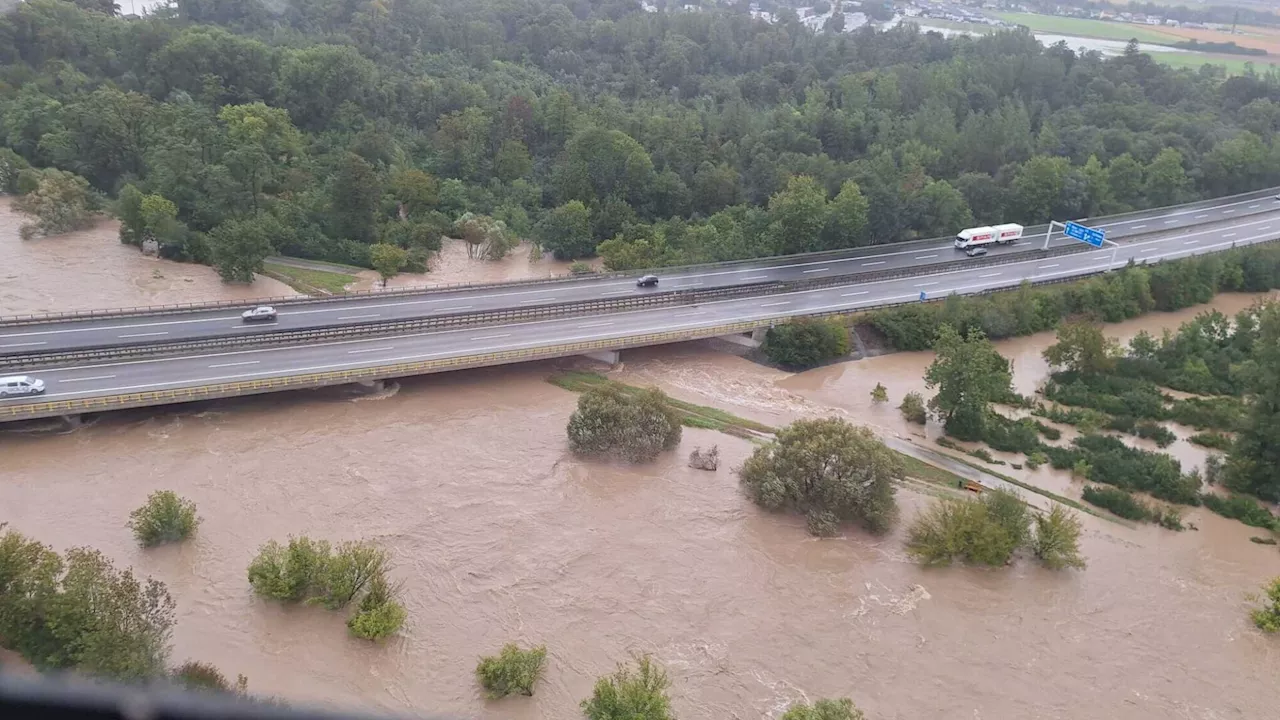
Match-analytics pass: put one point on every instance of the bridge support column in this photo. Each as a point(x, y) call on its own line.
point(754, 339)
point(71, 422)
point(372, 385)
point(608, 357)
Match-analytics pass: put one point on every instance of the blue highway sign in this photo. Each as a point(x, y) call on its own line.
point(1085, 234)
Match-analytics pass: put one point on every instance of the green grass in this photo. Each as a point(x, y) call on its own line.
point(309, 281)
point(1040, 491)
point(709, 418)
point(1084, 27)
point(1234, 66)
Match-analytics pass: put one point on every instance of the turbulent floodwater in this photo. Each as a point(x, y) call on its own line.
point(91, 269)
point(500, 535)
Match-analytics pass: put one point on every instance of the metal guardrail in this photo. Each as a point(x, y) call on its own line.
point(1031, 231)
point(423, 367)
point(34, 359)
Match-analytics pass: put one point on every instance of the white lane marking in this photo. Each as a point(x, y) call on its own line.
point(1265, 227)
point(490, 337)
point(1227, 212)
point(94, 377)
point(689, 285)
point(369, 350)
point(690, 314)
point(1170, 222)
point(151, 334)
point(1254, 207)
point(528, 292)
point(536, 300)
point(589, 325)
point(335, 366)
point(1229, 235)
point(617, 292)
point(1046, 267)
point(440, 333)
point(861, 292)
point(357, 317)
point(1191, 242)
point(459, 307)
point(788, 302)
point(234, 364)
point(988, 275)
point(756, 277)
point(30, 344)
point(926, 284)
point(1198, 217)
point(816, 270)
point(926, 257)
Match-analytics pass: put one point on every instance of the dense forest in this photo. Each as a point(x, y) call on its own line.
point(227, 131)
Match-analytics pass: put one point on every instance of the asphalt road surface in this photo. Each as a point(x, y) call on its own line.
point(112, 378)
point(143, 330)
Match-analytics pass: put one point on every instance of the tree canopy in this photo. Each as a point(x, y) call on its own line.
point(676, 137)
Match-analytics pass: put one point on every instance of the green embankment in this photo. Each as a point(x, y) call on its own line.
point(306, 280)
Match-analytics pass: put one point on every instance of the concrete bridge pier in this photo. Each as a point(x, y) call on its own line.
point(71, 422)
point(373, 386)
point(608, 357)
point(753, 339)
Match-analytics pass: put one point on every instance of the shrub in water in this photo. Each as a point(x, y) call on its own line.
point(512, 672)
point(164, 518)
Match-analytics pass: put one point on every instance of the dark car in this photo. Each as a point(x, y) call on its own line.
point(976, 251)
point(647, 281)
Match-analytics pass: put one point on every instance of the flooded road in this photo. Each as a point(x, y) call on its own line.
point(91, 269)
point(500, 535)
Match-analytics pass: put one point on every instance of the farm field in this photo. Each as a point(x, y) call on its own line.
point(1250, 37)
point(1085, 27)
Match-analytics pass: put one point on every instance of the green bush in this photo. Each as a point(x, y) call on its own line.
point(982, 531)
point(1267, 617)
point(290, 574)
point(1212, 439)
point(913, 409)
point(879, 393)
point(1245, 509)
point(1157, 432)
point(830, 471)
point(512, 672)
point(379, 613)
point(1119, 502)
point(824, 709)
point(634, 426)
point(1057, 539)
point(164, 518)
point(627, 694)
point(203, 676)
point(804, 344)
point(1036, 459)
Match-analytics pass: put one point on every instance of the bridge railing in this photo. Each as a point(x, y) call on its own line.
point(175, 308)
point(12, 362)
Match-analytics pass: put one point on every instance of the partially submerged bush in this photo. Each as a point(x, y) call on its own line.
point(987, 531)
point(804, 344)
point(203, 676)
point(635, 426)
point(627, 694)
point(828, 470)
point(512, 671)
point(164, 518)
point(913, 408)
point(1267, 616)
point(824, 709)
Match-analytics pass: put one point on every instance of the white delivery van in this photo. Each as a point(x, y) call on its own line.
point(20, 385)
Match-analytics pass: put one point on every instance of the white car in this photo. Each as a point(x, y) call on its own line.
point(21, 385)
point(259, 314)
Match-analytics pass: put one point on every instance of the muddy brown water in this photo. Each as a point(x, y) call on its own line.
point(501, 535)
point(91, 269)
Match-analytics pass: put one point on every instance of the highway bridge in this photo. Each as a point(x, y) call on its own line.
point(205, 353)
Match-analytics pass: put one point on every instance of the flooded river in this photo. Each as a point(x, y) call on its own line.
point(500, 535)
